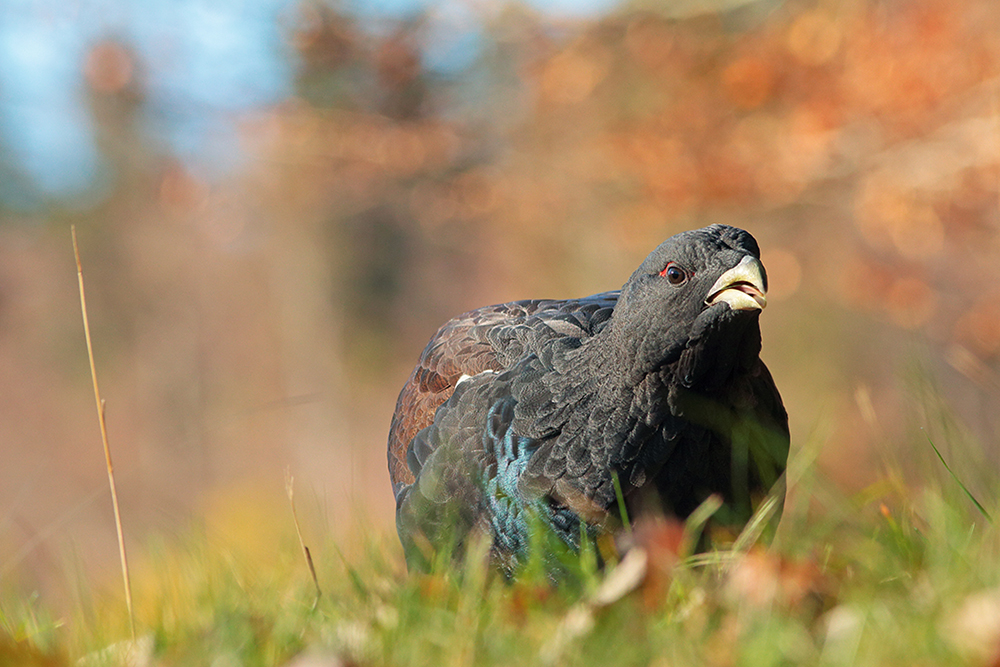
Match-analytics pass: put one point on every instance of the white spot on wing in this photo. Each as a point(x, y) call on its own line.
point(469, 377)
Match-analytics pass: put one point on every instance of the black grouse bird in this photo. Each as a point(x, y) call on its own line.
point(527, 414)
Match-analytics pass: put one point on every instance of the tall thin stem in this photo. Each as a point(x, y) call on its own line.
point(104, 439)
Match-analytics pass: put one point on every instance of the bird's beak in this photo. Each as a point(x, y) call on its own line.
point(742, 287)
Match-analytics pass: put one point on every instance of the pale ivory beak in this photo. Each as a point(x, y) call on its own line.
point(742, 286)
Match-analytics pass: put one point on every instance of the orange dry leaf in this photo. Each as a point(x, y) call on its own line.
point(763, 579)
point(662, 540)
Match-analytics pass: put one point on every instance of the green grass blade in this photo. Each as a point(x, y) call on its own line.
point(695, 523)
point(621, 502)
point(758, 523)
point(955, 477)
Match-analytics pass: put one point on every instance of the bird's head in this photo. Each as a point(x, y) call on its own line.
point(689, 280)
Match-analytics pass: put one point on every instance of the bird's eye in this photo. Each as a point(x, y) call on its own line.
point(674, 274)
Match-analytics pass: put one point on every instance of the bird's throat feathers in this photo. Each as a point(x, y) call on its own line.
point(718, 342)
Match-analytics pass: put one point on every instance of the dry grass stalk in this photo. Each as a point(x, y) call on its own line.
point(104, 439)
point(290, 489)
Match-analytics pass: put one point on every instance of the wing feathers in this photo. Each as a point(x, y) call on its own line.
point(487, 339)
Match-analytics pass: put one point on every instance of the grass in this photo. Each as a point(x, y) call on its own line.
point(889, 577)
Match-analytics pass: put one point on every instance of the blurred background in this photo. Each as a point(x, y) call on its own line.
point(279, 201)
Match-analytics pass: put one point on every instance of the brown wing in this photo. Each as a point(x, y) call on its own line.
point(457, 348)
point(487, 339)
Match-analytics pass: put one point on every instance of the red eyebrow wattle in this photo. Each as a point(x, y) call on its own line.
point(669, 264)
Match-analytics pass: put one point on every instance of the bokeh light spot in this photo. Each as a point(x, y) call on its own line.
point(108, 67)
point(814, 37)
point(749, 81)
point(570, 77)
